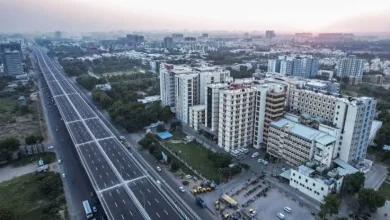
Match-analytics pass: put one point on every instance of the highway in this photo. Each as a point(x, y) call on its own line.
point(125, 189)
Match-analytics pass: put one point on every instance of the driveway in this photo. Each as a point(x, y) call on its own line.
point(375, 176)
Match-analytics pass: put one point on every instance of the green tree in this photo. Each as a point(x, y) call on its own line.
point(31, 140)
point(330, 206)
point(6, 213)
point(160, 128)
point(146, 141)
point(24, 109)
point(353, 183)
point(341, 218)
point(11, 144)
point(175, 166)
point(370, 199)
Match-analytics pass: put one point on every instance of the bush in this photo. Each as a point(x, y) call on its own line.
point(185, 183)
point(175, 166)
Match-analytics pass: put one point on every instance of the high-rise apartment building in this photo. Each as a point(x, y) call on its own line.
point(274, 65)
point(269, 106)
point(270, 34)
point(236, 113)
point(212, 107)
point(12, 61)
point(186, 95)
point(210, 75)
point(286, 67)
point(353, 116)
point(168, 42)
point(350, 67)
point(305, 67)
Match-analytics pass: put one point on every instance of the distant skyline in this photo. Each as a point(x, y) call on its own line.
point(283, 16)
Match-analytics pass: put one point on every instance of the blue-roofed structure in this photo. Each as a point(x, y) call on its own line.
point(164, 135)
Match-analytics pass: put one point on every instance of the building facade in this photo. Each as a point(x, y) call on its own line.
point(350, 67)
point(197, 116)
point(186, 95)
point(12, 61)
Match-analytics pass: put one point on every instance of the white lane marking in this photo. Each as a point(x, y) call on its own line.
point(131, 213)
point(122, 216)
point(148, 190)
point(149, 203)
point(110, 194)
point(107, 173)
point(112, 182)
point(101, 176)
point(165, 212)
point(92, 161)
point(156, 200)
point(141, 192)
point(141, 181)
point(158, 215)
point(116, 204)
point(134, 172)
point(105, 184)
point(123, 201)
point(134, 183)
point(96, 168)
point(98, 159)
point(103, 166)
point(89, 155)
point(117, 191)
point(128, 165)
point(127, 174)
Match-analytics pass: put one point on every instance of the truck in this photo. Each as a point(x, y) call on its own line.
point(200, 202)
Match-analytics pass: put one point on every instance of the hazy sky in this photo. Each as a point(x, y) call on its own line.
point(245, 15)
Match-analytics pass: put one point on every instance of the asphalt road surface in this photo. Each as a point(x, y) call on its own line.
point(119, 181)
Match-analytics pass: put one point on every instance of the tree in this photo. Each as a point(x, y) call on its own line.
point(31, 140)
point(175, 166)
point(341, 218)
point(330, 206)
point(160, 128)
point(5, 213)
point(353, 183)
point(370, 199)
point(11, 144)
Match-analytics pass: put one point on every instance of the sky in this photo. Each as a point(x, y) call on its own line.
point(283, 16)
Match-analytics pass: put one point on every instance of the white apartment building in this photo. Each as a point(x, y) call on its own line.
point(197, 116)
point(212, 107)
point(353, 116)
point(167, 82)
point(350, 67)
point(269, 106)
point(186, 95)
point(286, 67)
point(209, 75)
point(236, 113)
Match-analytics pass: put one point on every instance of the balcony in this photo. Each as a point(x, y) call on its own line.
point(318, 157)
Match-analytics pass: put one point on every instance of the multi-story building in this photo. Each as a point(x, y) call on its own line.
point(12, 61)
point(167, 82)
point(210, 75)
point(297, 144)
point(236, 113)
point(168, 42)
point(269, 106)
point(270, 34)
point(186, 95)
point(274, 65)
point(350, 67)
point(353, 116)
point(286, 67)
point(197, 116)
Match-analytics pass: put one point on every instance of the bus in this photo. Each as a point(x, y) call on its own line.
point(87, 209)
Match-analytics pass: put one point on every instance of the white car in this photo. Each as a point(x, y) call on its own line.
point(158, 169)
point(280, 215)
point(50, 147)
point(256, 154)
point(60, 161)
point(253, 213)
point(287, 209)
point(182, 189)
point(283, 169)
point(94, 208)
point(63, 175)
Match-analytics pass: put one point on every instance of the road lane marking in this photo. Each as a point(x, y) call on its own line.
point(110, 194)
point(141, 181)
point(92, 161)
point(122, 216)
point(148, 190)
point(149, 203)
point(123, 201)
point(117, 191)
point(158, 215)
point(116, 204)
point(141, 192)
point(127, 174)
point(107, 173)
point(156, 200)
point(131, 213)
point(101, 176)
point(112, 182)
point(165, 212)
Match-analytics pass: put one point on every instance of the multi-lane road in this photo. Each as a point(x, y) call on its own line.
point(123, 186)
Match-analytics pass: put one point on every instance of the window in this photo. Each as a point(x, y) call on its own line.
point(299, 177)
point(322, 188)
point(314, 184)
point(306, 180)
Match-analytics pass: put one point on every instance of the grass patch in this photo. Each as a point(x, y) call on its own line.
point(196, 156)
point(47, 157)
point(119, 73)
point(178, 135)
point(24, 197)
point(385, 190)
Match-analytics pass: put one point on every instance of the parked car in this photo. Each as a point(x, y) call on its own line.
point(182, 189)
point(159, 169)
point(255, 154)
point(280, 215)
point(287, 209)
point(94, 209)
point(50, 147)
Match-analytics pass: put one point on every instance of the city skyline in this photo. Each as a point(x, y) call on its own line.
point(249, 15)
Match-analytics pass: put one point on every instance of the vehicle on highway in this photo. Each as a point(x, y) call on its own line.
point(50, 147)
point(182, 189)
point(60, 161)
point(287, 209)
point(94, 209)
point(280, 215)
point(63, 175)
point(87, 209)
point(158, 182)
point(158, 169)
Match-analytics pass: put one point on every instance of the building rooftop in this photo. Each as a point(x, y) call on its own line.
point(198, 107)
point(344, 167)
point(303, 131)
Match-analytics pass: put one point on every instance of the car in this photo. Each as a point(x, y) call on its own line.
point(63, 175)
point(256, 154)
point(50, 147)
point(60, 161)
point(188, 177)
point(158, 182)
point(182, 189)
point(287, 209)
point(280, 215)
point(158, 169)
point(92, 194)
point(253, 213)
point(94, 209)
